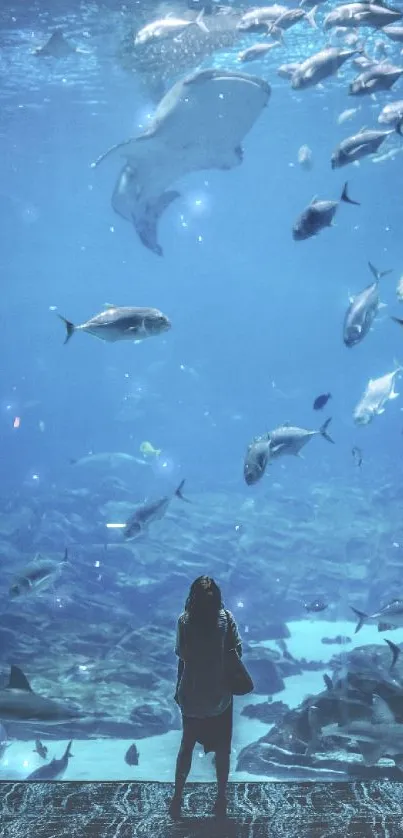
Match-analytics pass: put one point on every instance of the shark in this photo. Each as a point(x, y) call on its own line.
point(198, 125)
point(379, 737)
point(19, 703)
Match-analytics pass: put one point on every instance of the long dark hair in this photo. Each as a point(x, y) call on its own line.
point(204, 601)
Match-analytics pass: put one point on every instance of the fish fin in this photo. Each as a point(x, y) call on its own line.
point(395, 652)
point(397, 320)
point(399, 126)
point(378, 274)
point(392, 396)
point(381, 712)
point(201, 24)
point(311, 17)
point(112, 149)
point(18, 681)
point(67, 753)
point(362, 617)
point(323, 430)
point(328, 681)
point(381, 409)
point(70, 327)
point(179, 494)
point(146, 226)
point(346, 198)
point(370, 753)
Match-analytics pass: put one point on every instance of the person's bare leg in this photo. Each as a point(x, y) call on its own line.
point(183, 766)
point(222, 763)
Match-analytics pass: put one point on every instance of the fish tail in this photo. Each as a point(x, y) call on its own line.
point(397, 320)
point(68, 753)
point(179, 494)
point(65, 559)
point(323, 430)
point(346, 198)
point(70, 327)
point(200, 23)
point(378, 274)
point(311, 17)
point(395, 652)
point(361, 618)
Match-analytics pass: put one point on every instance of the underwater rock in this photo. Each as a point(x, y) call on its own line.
point(154, 719)
point(267, 711)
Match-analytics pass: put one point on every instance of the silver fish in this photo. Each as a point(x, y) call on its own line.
point(318, 215)
point(377, 393)
point(288, 439)
point(169, 27)
point(320, 66)
point(37, 576)
point(256, 459)
point(362, 310)
point(150, 511)
point(392, 113)
point(55, 769)
point(391, 615)
point(361, 14)
point(259, 20)
point(360, 145)
point(395, 33)
point(122, 323)
point(256, 51)
point(378, 77)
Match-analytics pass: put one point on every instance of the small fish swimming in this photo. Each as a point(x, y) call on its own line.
point(168, 27)
point(55, 769)
point(388, 618)
point(318, 215)
point(316, 606)
point(305, 158)
point(362, 310)
point(122, 323)
point(150, 511)
point(321, 401)
point(148, 450)
point(40, 749)
point(37, 576)
point(256, 51)
point(259, 20)
point(377, 393)
point(357, 456)
point(132, 755)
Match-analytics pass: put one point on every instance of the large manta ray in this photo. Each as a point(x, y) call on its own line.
point(199, 124)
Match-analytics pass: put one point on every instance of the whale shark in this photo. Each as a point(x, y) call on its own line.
point(199, 125)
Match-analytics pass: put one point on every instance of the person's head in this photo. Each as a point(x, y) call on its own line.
point(204, 599)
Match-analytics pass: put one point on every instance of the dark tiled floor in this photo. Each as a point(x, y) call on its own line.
point(255, 810)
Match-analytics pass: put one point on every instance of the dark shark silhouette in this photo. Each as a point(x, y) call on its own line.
point(19, 703)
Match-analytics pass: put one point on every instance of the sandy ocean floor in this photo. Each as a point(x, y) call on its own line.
point(103, 759)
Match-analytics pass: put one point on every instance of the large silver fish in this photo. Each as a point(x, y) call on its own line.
point(378, 77)
point(150, 511)
point(37, 576)
point(122, 323)
point(388, 617)
point(362, 310)
point(199, 124)
point(287, 439)
point(319, 66)
point(360, 145)
point(55, 769)
point(361, 14)
point(377, 393)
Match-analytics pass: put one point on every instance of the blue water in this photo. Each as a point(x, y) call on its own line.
point(256, 317)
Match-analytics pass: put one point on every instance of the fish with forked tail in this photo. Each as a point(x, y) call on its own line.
point(377, 393)
point(388, 618)
point(121, 323)
point(150, 511)
point(318, 215)
point(55, 769)
point(362, 310)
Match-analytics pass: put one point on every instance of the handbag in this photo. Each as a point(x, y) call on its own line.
point(237, 677)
